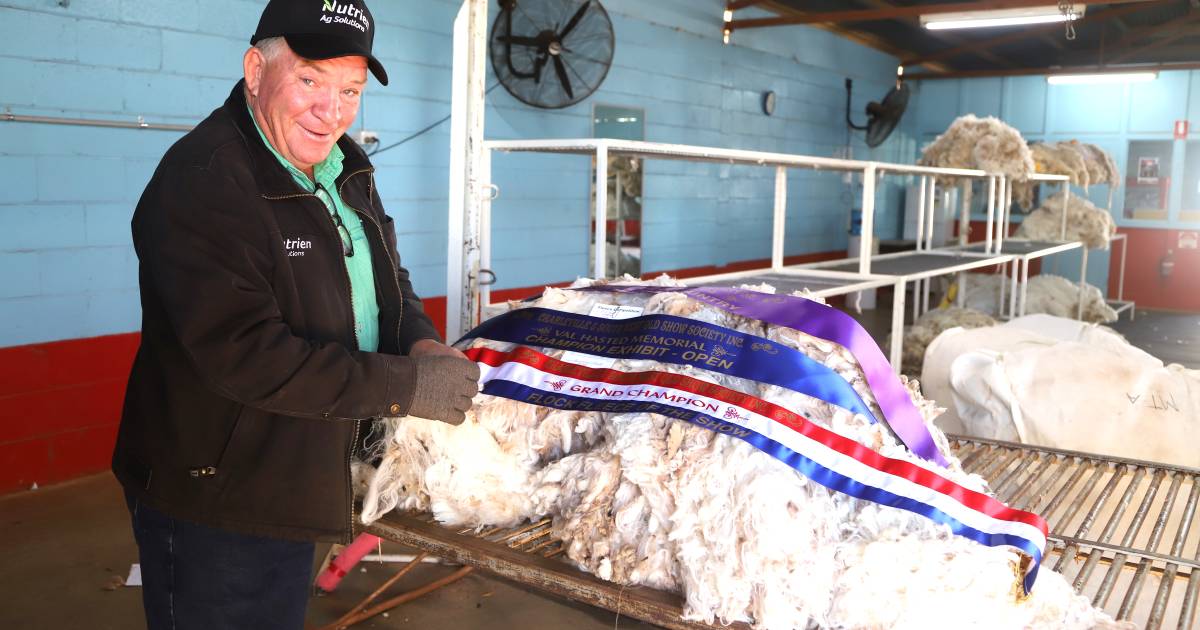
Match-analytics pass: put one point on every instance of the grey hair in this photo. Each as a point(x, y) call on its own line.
point(271, 47)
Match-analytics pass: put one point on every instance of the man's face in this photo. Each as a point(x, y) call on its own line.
point(304, 105)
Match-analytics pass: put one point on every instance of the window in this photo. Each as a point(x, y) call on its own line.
point(1148, 179)
point(624, 225)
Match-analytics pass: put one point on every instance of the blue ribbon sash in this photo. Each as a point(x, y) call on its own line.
point(679, 341)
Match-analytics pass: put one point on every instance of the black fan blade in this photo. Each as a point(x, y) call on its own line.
point(561, 70)
point(574, 20)
point(520, 41)
point(538, 65)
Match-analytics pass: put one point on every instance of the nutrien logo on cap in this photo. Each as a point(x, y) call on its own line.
point(345, 14)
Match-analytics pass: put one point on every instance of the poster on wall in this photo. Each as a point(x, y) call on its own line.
point(1147, 170)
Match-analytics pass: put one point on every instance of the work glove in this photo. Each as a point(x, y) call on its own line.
point(444, 388)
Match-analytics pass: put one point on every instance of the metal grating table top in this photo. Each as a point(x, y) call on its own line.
point(912, 263)
point(1122, 531)
point(783, 283)
point(1019, 247)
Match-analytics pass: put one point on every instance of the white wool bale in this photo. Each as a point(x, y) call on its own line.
point(1088, 391)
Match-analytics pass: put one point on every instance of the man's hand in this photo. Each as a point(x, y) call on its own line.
point(429, 347)
point(446, 382)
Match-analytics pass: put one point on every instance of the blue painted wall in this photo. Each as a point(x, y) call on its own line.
point(67, 267)
point(1109, 116)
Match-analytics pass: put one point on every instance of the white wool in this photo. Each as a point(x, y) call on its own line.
point(642, 499)
point(1101, 164)
point(1085, 222)
point(1047, 293)
point(927, 327)
point(1062, 158)
point(1047, 159)
point(1086, 164)
point(1095, 164)
point(986, 144)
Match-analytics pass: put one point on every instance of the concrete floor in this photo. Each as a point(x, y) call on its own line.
point(1170, 336)
point(62, 547)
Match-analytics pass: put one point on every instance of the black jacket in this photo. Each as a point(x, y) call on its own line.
point(246, 396)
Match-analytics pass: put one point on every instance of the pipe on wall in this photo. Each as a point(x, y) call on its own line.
point(8, 116)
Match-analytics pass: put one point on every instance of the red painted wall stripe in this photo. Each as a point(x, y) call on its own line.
point(60, 404)
point(1144, 282)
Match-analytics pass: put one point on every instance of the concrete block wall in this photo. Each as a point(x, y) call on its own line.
point(68, 275)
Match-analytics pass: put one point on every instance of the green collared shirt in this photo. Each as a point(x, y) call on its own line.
point(358, 266)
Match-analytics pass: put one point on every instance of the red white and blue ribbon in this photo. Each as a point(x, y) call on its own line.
point(828, 458)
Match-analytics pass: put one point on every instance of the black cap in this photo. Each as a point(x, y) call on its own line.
point(322, 29)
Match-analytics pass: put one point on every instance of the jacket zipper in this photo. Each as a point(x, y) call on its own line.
point(383, 241)
point(354, 435)
point(354, 331)
point(399, 316)
point(350, 482)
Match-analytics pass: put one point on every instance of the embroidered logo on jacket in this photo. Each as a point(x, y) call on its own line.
point(296, 246)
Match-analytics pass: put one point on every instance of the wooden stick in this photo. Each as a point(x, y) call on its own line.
point(341, 622)
point(403, 598)
point(517, 532)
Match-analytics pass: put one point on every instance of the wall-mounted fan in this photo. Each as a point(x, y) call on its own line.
point(881, 117)
point(551, 53)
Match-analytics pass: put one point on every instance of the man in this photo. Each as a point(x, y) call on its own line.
point(276, 321)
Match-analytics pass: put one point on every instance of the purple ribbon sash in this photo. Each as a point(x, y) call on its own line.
point(823, 322)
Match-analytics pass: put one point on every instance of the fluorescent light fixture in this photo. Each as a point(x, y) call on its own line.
point(1110, 77)
point(727, 16)
point(996, 17)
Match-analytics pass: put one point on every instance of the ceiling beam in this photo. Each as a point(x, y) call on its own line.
point(1158, 43)
point(974, 74)
point(1051, 41)
point(868, 15)
point(1113, 52)
point(950, 37)
point(1141, 32)
point(1032, 31)
point(1184, 52)
point(869, 40)
point(734, 5)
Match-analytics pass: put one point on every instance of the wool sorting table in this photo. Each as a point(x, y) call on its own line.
point(469, 298)
point(1024, 251)
point(916, 267)
point(1140, 564)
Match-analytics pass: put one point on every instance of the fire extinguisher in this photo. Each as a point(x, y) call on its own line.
point(1167, 264)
